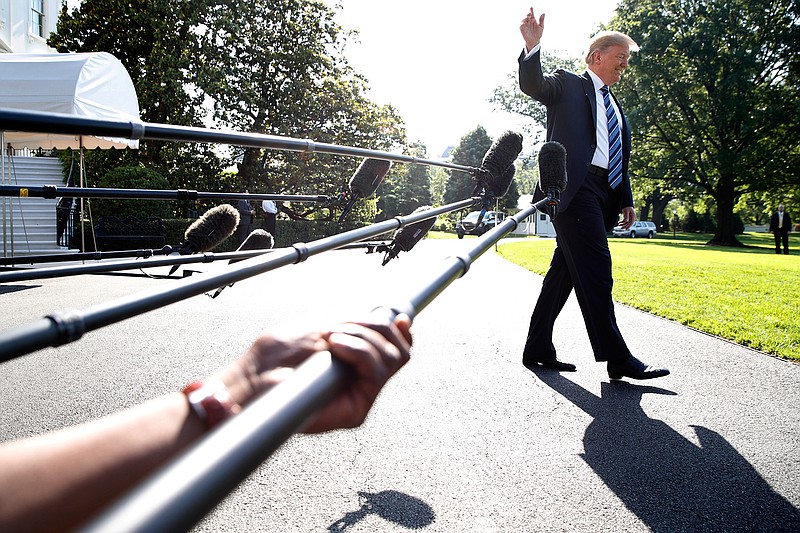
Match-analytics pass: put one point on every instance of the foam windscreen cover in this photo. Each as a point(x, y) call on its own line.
point(501, 185)
point(408, 236)
point(208, 231)
point(552, 167)
point(502, 154)
point(368, 176)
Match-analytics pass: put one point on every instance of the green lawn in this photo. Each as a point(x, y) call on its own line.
point(750, 295)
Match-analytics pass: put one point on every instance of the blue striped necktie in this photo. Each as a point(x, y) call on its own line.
point(614, 142)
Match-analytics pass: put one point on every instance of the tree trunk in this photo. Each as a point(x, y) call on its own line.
point(659, 204)
point(644, 214)
point(726, 199)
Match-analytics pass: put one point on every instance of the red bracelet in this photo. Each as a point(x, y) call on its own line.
point(211, 401)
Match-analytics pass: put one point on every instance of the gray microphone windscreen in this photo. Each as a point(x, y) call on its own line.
point(258, 239)
point(408, 236)
point(552, 167)
point(368, 176)
point(502, 154)
point(208, 231)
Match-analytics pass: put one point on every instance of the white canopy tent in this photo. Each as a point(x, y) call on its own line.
point(92, 85)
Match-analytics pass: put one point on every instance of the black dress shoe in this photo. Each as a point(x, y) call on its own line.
point(634, 369)
point(552, 364)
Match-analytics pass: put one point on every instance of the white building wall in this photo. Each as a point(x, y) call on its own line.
point(16, 26)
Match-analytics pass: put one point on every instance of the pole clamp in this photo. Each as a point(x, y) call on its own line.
point(70, 326)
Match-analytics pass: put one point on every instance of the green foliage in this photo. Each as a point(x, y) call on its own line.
point(136, 177)
point(460, 185)
point(439, 177)
point(469, 152)
point(735, 300)
point(711, 95)
point(156, 41)
point(287, 231)
point(263, 67)
point(405, 188)
point(276, 68)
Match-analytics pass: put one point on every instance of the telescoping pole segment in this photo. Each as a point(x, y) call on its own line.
point(55, 191)
point(64, 327)
point(183, 492)
point(39, 122)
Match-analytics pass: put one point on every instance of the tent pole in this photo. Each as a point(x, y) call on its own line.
point(80, 178)
point(3, 181)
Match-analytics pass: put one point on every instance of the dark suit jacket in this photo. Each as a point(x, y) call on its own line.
point(787, 223)
point(571, 120)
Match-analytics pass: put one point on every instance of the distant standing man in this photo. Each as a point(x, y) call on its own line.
point(270, 215)
point(780, 225)
point(246, 213)
point(584, 116)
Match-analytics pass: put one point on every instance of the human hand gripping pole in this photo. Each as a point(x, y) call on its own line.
point(339, 375)
point(180, 494)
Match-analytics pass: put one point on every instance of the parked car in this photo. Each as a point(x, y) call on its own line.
point(469, 224)
point(640, 228)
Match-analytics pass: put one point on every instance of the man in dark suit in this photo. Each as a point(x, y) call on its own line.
point(586, 118)
point(780, 225)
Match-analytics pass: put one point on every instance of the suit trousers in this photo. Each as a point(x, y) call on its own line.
point(781, 237)
point(581, 261)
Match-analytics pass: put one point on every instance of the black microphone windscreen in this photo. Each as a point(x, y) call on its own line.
point(368, 176)
point(502, 154)
point(408, 236)
point(258, 239)
point(552, 167)
point(500, 187)
point(216, 225)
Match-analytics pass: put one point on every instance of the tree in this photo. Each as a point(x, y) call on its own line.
point(407, 188)
point(276, 68)
point(712, 93)
point(262, 67)
point(156, 41)
point(469, 152)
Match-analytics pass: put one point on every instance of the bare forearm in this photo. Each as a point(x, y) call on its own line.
point(57, 481)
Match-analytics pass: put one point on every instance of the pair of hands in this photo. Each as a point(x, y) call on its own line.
point(373, 348)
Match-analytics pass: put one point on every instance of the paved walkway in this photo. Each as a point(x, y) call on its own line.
point(464, 438)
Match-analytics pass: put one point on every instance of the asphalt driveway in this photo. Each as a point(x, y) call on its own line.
point(464, 438)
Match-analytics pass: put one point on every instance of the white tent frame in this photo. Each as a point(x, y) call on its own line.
point(93, 85)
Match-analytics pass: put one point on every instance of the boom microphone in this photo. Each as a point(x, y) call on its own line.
point(502, 154)
point(208, 231)
point(490, 177)
point(365, 181)
point(552, 174)
point(500, 186)
point(258, 239)
point(408, 236)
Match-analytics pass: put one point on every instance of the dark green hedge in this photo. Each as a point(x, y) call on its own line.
point(288, 233)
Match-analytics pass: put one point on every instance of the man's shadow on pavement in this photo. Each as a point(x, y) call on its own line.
point(666, 480)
